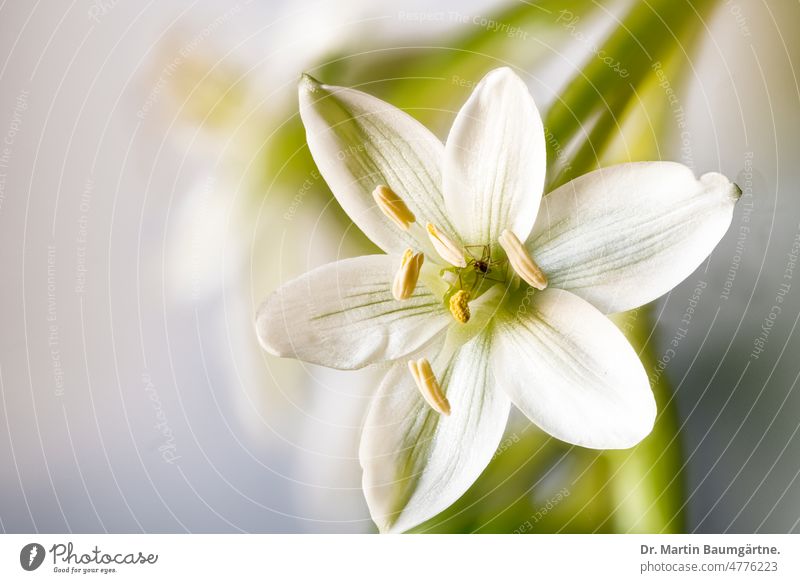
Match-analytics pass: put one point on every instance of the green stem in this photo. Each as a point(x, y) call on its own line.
point(651, 32)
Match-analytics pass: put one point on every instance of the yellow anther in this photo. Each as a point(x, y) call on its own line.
point(393, 206)
point(521, 261)
point(428, 385)
point(459, 306)
point(446, 247)
point(405, 280)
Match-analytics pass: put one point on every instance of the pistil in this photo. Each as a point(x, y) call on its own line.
point(459, 306)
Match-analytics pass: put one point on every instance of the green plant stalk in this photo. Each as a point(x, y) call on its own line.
point(651, 32)
point(641, 483)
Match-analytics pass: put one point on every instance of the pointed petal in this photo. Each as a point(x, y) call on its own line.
point(359, 142)
point(417, 462)
point(622, 236)
point(343, 315)
point(572, 372)
point(495, 160)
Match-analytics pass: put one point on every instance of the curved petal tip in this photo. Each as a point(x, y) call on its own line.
point(308, 84)
point(265, 329)
point(715, 180)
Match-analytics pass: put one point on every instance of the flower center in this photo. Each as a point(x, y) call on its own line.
point(471, 265)
point(468, 282)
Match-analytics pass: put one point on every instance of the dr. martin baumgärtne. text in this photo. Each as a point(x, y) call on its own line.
point(739, 551)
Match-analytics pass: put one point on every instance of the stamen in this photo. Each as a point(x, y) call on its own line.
point(521, 261)
point(393, 206)
point(405, 280)
point(446, 247)
point(429, 386)
point(459, 306)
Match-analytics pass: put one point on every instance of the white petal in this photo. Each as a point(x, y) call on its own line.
point(416, 461)
point(572, 372)
point(622, 236)
point(495, 160)
point(343, 315)
point(359, 142)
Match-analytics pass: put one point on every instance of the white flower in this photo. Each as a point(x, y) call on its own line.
point(467, 316)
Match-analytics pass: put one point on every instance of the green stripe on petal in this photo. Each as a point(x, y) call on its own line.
point(495, 160)
point(573, 373)
point(359, 142)
point(622, 236)
point(416, 461)
point(343, 315)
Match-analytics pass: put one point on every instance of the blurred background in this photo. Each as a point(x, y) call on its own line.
point(155, 186)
